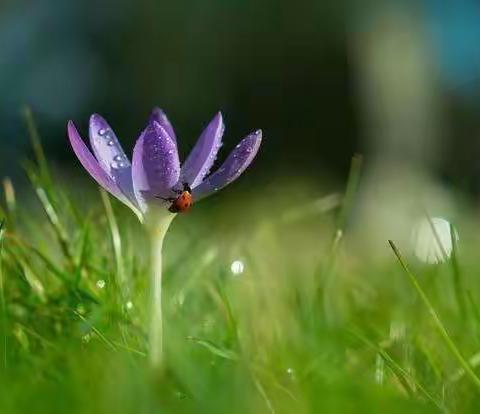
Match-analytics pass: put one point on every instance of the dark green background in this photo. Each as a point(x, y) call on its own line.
point(279, 65)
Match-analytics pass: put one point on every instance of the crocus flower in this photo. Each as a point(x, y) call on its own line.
point(155, 174)
point(154, 177)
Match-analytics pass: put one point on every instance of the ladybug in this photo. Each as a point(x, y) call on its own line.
point(183, 202)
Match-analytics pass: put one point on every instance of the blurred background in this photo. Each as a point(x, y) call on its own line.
point(394, 80)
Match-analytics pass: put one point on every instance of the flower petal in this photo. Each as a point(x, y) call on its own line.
point(236, 163)
point(159, 116)
point(110, 155)
point(155, 164)
point(203, 155)
point(89, 162)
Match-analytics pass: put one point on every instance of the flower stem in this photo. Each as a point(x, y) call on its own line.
point(157, 226)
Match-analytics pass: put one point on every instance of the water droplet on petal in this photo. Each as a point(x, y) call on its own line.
point(111, 143)
point(102, 131)
point(118, 157)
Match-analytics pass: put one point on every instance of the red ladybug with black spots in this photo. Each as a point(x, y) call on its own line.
point(183, 202)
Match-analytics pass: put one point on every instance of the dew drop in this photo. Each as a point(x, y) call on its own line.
point(102, 131)
point(118, 157)
point(237, 267)
point(111, 143)
point(101, 283)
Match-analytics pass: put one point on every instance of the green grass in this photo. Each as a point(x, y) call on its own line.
point(314, 324)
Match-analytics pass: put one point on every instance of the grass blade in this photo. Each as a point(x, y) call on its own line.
point(351, 190)
point(2, 298)
point(37, 147)
point(264, 395)
point(116, 244)
point(11, 202)
point(328, 270)
point(53, 217)
point(215, 349)
point(438, 323)
point(102, 337)
point(457, 282)
point(82, 257)
point(457, 276)
point(403, 376)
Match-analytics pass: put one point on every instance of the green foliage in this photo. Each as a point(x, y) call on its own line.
point(312, 324)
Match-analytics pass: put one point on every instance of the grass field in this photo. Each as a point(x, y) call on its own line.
point(305, 321)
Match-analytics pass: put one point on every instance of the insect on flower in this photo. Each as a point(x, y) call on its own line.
point(155, 178)
point(183, 202)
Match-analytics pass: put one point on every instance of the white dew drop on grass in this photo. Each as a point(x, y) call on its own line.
point(237, 267)
point(101, 283)
point(432, 240)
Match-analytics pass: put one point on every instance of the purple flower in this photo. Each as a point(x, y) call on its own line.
point(154, 175)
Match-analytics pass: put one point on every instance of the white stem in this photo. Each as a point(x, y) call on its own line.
point(157, 226)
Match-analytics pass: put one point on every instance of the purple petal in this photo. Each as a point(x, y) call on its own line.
point(91, 164)
point(155, 165)
point(159, 116)
point(110, 155)
point(203, 155)
point(236, 163)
